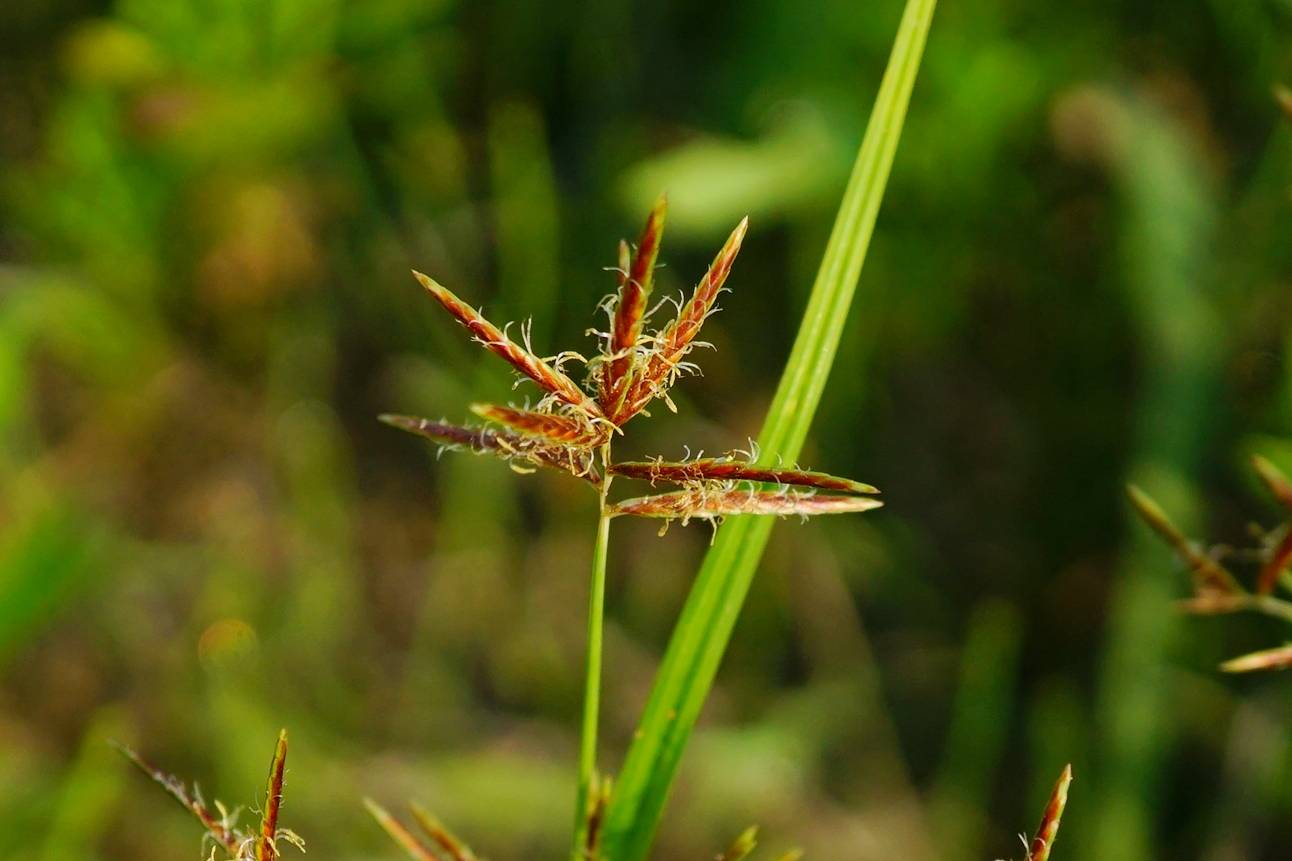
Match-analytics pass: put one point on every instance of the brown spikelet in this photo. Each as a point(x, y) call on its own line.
point(559, 429)
point(673, 343)
point(1279, 658)
point(1278, 559)
point(227, 838)
point(266, 849)
point(454, 848)
point(504, 444)
point(630, 310)
point(1209, 575)
point(723, 469)
point(740, 848)
point(404, 838)
point(706, 503)
point(598, 801)
point(1048, 830)
point(1274, 480)
point(547, 377)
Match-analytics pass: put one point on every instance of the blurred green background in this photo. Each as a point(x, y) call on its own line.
point(208, 211)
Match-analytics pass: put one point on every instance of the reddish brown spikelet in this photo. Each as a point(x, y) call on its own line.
point(1279, 658)
point(1273, 567)
point(228, 839)
point(1274, 480)
point(721, 469)
point(633, 294)
point(598, 801)
point(404, 838)
point(1048, 830)
point(708, 503)
point(266, 849)
point(441, 836)
point(1209, 575)
point(676, 339)
point(547, 377)
point(562, 430)
point(504, 444)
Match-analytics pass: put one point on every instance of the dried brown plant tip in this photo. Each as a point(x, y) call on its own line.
point(496, 341)
point(1048, 830)
point(221, 829)
point(726, 469)
point(707, 503)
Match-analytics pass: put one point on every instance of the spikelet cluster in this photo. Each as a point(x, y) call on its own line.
point(571, 427)
point(221, 825)
point(1216, 589)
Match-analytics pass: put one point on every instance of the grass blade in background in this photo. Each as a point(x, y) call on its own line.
point(979, 731)
point(1169, 218)
point(705, 626)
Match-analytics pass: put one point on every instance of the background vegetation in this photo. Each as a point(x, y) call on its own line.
point(208, 210)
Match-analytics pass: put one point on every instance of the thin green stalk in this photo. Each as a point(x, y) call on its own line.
point(592, 682)
point(704, 628)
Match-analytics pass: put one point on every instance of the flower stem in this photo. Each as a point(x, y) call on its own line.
point(592, 683)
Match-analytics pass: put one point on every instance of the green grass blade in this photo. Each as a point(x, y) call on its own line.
point(710, 613)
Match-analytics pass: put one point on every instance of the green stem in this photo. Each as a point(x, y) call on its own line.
point(592, 682)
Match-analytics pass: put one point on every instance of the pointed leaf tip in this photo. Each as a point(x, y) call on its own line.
point(1048, 830)
point(1278, 658)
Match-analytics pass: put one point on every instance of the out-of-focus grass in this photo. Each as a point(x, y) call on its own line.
point(207, 216)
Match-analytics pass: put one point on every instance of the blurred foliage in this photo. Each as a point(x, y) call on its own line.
point(208, 211)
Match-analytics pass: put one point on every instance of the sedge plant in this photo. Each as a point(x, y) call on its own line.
point(572, 427)
point(1218, 590)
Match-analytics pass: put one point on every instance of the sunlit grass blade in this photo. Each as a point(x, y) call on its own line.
point(710, 613)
